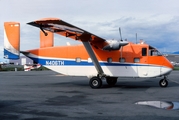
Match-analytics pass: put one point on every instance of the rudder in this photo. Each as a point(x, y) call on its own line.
point(11, 40)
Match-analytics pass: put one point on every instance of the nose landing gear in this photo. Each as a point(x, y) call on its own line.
point(163, 82)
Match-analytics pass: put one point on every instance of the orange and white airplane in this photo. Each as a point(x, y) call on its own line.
point(97, 58)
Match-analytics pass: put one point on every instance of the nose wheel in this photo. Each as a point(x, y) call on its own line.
point(163, 82)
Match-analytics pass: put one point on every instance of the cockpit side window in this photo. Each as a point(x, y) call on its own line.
point(144, 51)
point(154, 52)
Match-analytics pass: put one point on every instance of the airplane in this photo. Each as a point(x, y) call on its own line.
point(97, 58)
point(29, 67)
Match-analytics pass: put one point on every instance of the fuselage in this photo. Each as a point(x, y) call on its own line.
point(133, 60)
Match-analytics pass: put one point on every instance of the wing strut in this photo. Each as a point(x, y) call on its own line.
point(94, 59)
point(45, 33)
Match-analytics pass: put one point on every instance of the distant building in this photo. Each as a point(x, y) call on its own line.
point(22, 61)
point(173, 57)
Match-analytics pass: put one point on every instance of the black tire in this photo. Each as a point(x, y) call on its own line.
point(163, 83)
point(95, 82)
point(111, 80)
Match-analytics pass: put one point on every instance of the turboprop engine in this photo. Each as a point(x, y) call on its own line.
point(115, 45)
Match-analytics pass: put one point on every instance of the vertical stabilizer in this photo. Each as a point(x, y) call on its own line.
point(11, 40)
point(46, 41)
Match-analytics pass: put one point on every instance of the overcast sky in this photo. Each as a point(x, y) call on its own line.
point(155, 21)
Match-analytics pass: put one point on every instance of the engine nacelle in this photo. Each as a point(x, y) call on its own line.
point(114, 45)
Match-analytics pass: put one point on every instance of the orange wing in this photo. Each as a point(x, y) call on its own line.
point(63, 28)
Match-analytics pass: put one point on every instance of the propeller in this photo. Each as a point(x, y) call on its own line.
point(116, 44)
point(120, 33)
point(121, 41)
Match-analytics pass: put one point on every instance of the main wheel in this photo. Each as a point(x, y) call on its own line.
point(163, 83)
point(95, 82)
point(111, 80)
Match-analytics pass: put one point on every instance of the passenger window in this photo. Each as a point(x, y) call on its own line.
point(78, 59)
point(109, 60)
point(89, 60)
point(144, 51)
point(136, 60)
point(121, 59)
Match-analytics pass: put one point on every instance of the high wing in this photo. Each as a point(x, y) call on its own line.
point(63, 28)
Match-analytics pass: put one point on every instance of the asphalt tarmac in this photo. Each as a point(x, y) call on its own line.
point(46, 95)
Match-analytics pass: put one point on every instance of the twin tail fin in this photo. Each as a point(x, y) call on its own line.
point(11, 40)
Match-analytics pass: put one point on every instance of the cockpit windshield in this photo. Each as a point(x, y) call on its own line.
point(154, 52)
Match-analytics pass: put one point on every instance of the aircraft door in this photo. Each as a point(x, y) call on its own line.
point(143, 67)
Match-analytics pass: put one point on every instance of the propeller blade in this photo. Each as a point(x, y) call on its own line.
point(120, 33)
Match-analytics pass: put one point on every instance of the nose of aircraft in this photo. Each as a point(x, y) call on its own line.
point(168, 67)
point(169, 64)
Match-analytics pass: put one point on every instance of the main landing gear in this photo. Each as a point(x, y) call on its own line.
point(96, 82)
point(111, 80)
point(163, 82)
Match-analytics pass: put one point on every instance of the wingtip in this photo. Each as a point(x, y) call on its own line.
point(43, 20)
point(46, 19)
